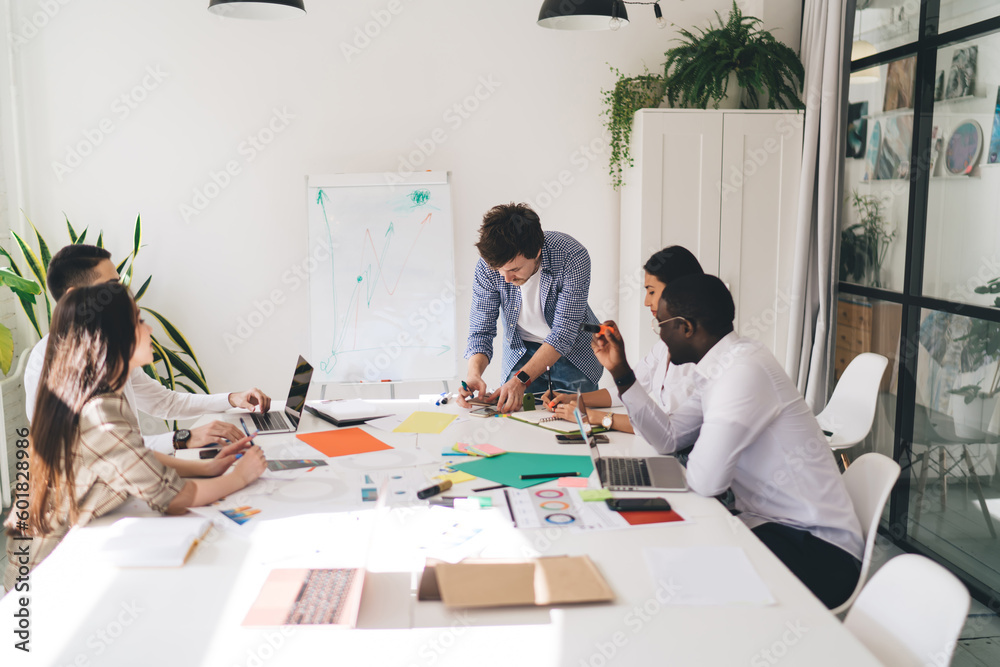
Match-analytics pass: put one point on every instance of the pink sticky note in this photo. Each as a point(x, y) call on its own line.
point(573, 481)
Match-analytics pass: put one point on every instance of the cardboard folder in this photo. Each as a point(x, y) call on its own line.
point(509, 583)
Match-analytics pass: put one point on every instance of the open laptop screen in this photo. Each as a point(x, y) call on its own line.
point(300, 387)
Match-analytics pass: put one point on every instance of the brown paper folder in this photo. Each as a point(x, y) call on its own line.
point(508, 583)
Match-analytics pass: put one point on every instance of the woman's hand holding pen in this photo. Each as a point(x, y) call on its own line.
point(226, 457)
point(251, 465)
point(553, 399)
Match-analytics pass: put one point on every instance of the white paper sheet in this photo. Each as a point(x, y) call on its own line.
point(707, 576)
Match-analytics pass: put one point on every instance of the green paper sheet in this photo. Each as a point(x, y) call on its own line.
point(507, 469)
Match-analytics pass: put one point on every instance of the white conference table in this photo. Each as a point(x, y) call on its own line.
point(86, 612)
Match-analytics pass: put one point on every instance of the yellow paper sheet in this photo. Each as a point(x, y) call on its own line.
point(425, 422)
point(456, 477)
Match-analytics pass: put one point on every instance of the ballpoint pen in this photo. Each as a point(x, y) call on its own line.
point(548, 376)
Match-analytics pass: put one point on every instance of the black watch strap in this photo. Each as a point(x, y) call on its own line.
point(626, 380)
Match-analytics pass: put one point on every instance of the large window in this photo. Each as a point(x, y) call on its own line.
point(920, 267)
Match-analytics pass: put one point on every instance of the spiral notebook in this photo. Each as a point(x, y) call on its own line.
point(546, 420)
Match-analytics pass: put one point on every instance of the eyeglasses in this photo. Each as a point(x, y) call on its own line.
point(659, 323)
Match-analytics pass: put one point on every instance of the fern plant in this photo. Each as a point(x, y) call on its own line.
point(173, 368)
point(697, 71)
point(629, 94)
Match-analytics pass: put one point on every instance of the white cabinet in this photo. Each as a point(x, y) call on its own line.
point(723, 184)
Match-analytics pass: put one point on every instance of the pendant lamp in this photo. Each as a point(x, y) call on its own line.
point(267, 10)
point(583, 14)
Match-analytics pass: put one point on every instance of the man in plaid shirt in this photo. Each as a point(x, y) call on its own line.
point(539, 282)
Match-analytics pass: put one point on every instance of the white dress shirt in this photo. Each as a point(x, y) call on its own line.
point(753, 432)
point(667, 385)
point(142, 393)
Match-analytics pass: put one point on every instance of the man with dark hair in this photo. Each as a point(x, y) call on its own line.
point(81, 265)
point(751, 432)
point(540, 281)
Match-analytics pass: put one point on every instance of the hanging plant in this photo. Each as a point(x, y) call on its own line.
point(628, 95)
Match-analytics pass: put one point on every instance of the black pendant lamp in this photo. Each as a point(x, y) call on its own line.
point(267, 10)
point(583, 14)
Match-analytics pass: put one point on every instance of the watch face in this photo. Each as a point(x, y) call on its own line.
point(607, 421)
point(182, 435)
point(523, 377)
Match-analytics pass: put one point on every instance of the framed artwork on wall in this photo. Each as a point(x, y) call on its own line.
point(994, 154)
point(871, 158)
point(899, 84)
point(964, 147)
point(894, 153)
point(962, 75)
point(857, 129)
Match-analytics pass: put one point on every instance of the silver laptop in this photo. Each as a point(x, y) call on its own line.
point(624, 473)
point(276, 422)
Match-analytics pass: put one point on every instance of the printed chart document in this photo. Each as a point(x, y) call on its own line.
point(154, 541)
point(708, 576)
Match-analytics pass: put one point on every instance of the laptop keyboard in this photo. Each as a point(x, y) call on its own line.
point(270, 421)
point(322, 597)
point(627, 472)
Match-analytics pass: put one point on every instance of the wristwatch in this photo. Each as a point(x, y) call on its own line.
point(524, 378)
point(608, 421)
point(181, 437)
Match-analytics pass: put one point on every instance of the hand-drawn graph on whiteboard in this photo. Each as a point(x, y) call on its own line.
point(383, 307)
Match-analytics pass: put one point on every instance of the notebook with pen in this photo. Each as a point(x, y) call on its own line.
point(544, 419)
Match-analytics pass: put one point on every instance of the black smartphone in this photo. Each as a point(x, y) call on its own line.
point(574, 439)
point(638, 504)
point(208, 453)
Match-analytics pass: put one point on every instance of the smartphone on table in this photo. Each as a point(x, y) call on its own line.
point(577, 439)
point(638, 504)
point(485, 411)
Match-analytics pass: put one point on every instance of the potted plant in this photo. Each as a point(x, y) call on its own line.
point(628, 95)
point(169, 366)
point(738, 54)
point(973, 405)
point(865, 244)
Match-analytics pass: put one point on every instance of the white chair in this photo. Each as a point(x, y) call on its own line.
point(910, 613)
point(12, 417)
point(849, 414)
point(868, 483)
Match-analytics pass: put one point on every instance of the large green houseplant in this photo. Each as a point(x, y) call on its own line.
point(173, 368)
point(697, 72)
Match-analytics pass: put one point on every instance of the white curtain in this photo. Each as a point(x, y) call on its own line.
point(825, 24)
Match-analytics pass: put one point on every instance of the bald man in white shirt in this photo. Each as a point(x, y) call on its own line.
point(752, 432)
point(79, 265)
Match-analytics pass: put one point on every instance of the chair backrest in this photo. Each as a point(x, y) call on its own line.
point(910, 613)
point(851, 410)
point(12, 418)
point(869, 481)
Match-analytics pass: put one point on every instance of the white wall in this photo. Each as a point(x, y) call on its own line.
point(222, 81)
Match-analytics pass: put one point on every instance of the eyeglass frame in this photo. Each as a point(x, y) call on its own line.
point(658, 324)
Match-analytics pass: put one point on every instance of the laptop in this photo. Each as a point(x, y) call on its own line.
point(276, 422)
point(623, 473)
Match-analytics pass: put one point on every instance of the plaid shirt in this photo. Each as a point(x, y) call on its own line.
point(110, 464)
point(565, 284)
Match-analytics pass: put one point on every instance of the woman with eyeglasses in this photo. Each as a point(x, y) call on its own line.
point(668, 385)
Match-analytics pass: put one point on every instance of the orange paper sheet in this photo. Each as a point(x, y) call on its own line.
point(640, 518)
point(343, 442)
